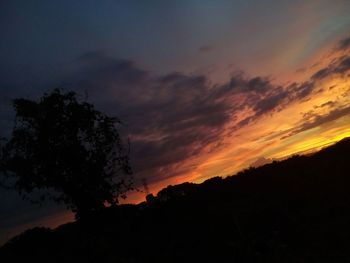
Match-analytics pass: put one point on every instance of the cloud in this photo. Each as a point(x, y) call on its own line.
point(344, 44)
point(315, 119)
point(339, 66)
point(329, 104)
point(174, 118)
point(169, 118)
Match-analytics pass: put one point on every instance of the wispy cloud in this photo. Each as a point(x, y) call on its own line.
point(173, 119)
point(177, 122)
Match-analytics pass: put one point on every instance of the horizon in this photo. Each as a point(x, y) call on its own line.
point(203, 88)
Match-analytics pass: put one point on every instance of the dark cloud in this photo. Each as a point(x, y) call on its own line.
point(344, 44)
point(329, 104)
point(174, 117)
point(322, 73)
point(169, 118)
point(259, 85)
point(344, 65)
point(274, 98)
point(340, 66)
point(312, 120)
point(271, 102)
point(266, 98)
point(302, 91)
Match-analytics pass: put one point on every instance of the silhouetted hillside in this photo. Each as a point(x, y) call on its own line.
point(296, 210)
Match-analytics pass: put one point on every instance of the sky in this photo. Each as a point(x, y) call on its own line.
point(204, 88)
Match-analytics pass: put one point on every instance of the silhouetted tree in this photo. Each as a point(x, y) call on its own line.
point(64, 146)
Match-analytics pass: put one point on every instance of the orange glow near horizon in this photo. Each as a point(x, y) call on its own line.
point(201, 88)
point(271, 136)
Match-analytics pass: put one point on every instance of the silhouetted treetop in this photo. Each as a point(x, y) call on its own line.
point(65, 146)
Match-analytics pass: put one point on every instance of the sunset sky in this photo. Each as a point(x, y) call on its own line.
point(204, 88)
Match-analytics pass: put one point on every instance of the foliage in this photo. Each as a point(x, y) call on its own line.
point(67, 148)
point(295, 210)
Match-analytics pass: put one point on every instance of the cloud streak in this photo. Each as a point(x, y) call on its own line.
point(173, 119)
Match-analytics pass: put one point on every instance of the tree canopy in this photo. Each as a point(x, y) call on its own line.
point(69, 151)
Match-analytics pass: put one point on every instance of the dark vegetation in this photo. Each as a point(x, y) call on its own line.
point(296, 210)
point(64, 150)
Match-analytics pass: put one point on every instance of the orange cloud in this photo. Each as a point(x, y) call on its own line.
point(297, 118)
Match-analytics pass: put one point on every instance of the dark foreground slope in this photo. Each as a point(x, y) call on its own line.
point(297, 210)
